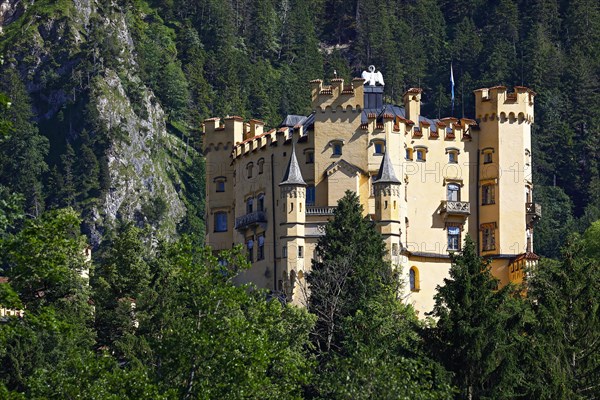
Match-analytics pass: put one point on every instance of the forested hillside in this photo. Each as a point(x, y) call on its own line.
point(100, 90)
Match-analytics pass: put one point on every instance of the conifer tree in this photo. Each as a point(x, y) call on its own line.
point(565, 342)
point(366, 339)
point(477, 335)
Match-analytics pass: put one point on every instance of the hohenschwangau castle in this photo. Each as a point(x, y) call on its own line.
point(426, 183)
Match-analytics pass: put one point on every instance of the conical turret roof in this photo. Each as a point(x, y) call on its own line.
point(293, 176)
point(386, 171)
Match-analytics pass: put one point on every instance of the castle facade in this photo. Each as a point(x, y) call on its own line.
point(425, 183)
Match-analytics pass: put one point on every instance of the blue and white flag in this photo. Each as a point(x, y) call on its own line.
point(452, 83)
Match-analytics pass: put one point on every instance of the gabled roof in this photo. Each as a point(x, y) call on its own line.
point(345, 165)
point(293, 175)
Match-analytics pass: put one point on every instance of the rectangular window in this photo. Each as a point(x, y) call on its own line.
point(408, 154)
point(488, 194)
point(249, 206)
point(379, 148)
point(260, 255)
point(420, 155)
point(310, 157)
point(310, 195)
point(452, 157)
point(300, 251)
point(284, 252)
point(453, 238)
point(337, 149)
point(221, 222)
point(453, 192)
point(220, 186)
point(488, 234)
point(487, 157)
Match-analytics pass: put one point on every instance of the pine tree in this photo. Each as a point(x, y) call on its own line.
point(366, 340)
point(478, 332)
point(565, 342)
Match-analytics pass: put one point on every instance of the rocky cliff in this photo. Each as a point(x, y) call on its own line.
point(81, 68)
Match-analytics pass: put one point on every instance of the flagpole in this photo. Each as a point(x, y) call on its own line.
point(452, 86)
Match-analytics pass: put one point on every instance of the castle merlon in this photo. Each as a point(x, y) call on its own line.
point(496, 103)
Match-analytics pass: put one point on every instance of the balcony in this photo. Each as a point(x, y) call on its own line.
point(248, 220)
point(315, 210)
point(455, 207)
point(533, 211)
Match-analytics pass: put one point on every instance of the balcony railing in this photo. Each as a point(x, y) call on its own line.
point(533, 209)
point(315, 210)
point(250, 219)
point(455, 207)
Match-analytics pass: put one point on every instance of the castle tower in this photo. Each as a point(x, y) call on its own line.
point(506, 209)
point(219, 140)
point(388, 206)
point(293, 210)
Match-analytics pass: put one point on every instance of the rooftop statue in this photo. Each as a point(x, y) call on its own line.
point(373, 78)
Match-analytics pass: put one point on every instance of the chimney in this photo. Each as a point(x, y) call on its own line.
point(412, 104)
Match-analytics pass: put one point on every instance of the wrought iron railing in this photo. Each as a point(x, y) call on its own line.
point(250, 219)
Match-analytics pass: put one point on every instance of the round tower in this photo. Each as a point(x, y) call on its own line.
point(292, 191)
point(388, 206)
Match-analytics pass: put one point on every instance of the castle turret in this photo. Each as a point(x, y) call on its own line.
point(388, 205)
point(293, 203)
point(506, 210)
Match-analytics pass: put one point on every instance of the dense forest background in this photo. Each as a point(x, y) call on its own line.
point(101, 104)
point(202, 58)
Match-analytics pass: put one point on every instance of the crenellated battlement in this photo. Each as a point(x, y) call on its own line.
point(496, 103)
point(337, 95)
point(234, 133)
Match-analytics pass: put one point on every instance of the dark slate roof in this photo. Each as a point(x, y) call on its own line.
point(396, 111)
point(386, 172)
point(293, 176)
point(291, 121)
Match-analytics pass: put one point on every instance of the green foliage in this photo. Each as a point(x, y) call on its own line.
point(478, 332)
point(22, 153)
point(565, 340)
point(210, 339)
point(366, 340)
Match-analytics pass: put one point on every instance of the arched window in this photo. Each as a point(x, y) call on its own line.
point(413, 278)
point(261, 164)
point(249, 168)
point(249, 205)
point(261, 203)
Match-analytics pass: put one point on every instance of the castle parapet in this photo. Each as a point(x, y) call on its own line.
point(496, 103)
point(337, 95)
